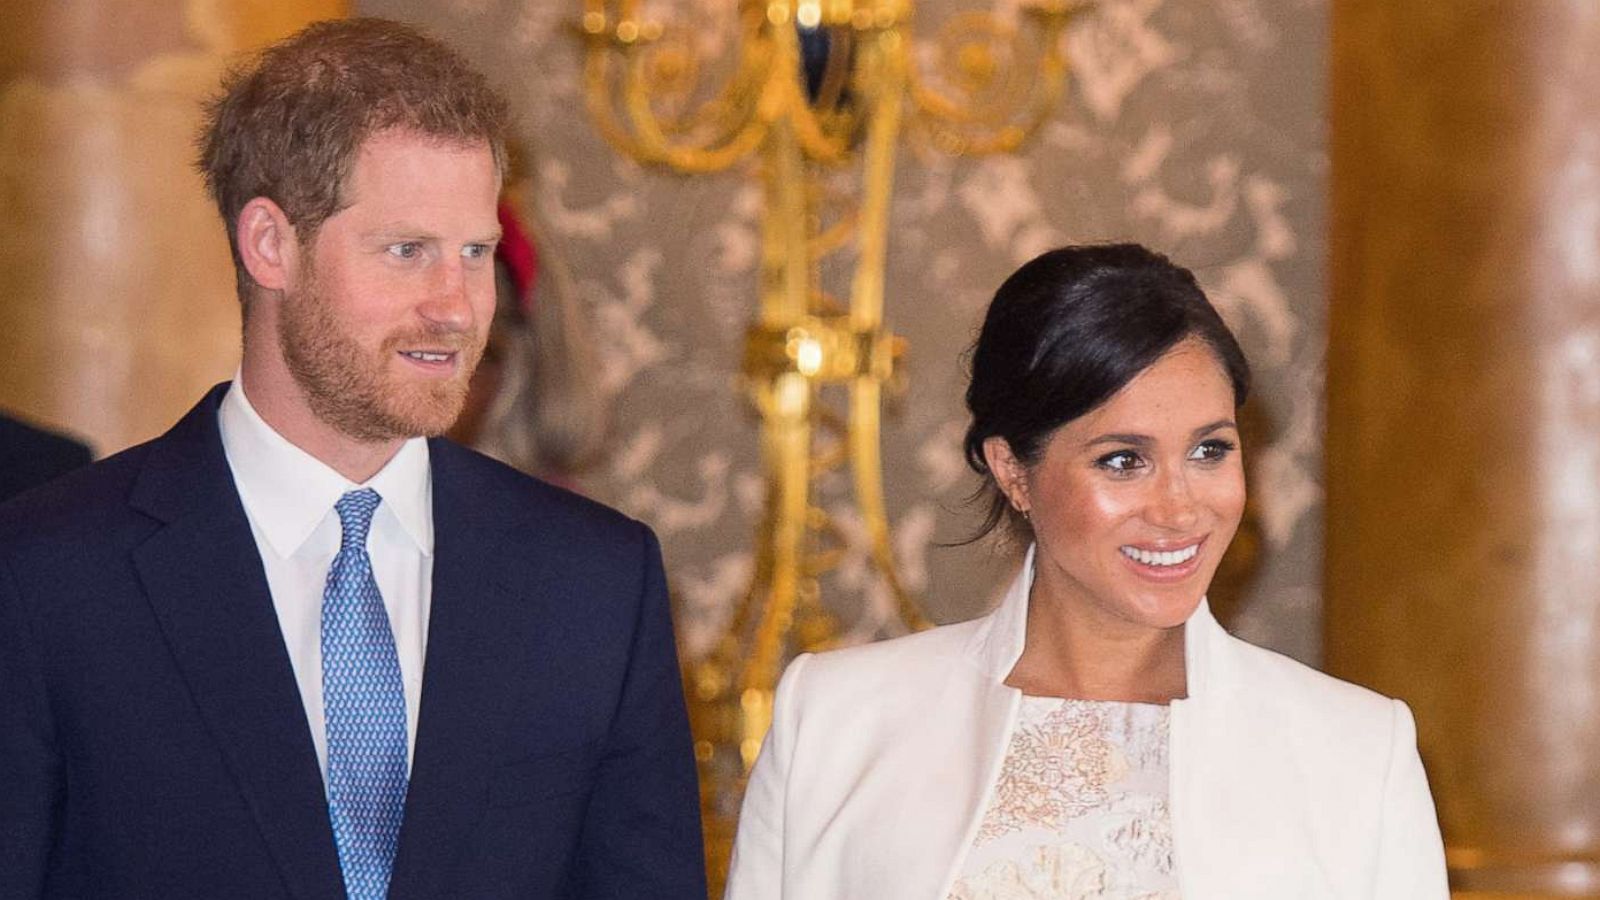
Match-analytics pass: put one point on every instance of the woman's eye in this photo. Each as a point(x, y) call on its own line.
point(1212, 451)
point(1120, 461)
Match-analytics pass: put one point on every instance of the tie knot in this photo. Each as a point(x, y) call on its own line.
point(355, 515)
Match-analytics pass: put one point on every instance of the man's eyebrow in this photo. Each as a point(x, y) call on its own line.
point(402, 231)
point(399, 231)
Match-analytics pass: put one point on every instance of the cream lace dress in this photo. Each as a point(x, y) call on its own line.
point(1080, 809)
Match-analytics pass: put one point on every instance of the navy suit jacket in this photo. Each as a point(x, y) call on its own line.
point(153, 743)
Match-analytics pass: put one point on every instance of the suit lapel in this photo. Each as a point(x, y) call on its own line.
point(203, 576)
point(464, 679)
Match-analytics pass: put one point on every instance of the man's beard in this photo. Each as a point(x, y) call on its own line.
point(351, 387)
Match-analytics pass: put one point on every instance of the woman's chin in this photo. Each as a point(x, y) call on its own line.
point(1166, 608)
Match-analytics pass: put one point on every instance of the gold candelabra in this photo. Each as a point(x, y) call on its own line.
point(819, 93)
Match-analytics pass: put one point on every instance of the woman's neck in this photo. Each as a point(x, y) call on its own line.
point(1075, 650)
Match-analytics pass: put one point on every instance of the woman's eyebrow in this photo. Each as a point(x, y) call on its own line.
point(1137, 440)
point(1141, 440)
point(1218, 425)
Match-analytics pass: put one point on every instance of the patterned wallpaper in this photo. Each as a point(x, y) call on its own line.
point(1195, 126)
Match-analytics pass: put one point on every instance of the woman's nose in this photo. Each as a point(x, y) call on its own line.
point(1173, 505)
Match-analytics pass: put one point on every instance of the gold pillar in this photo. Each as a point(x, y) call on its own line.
point(1463, 443)
point(117, 304)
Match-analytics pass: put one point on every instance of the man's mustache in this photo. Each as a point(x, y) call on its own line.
point(443, 338)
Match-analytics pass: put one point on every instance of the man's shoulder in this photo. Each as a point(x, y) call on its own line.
point(80, 501)
point(509, 496)
point(534, 534)
point(75, 529)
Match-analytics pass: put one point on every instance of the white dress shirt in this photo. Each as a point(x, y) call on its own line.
point(289, 498)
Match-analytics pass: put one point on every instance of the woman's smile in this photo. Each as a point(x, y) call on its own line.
point(1164, 563)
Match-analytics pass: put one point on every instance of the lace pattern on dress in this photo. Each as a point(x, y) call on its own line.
point(1080, 808)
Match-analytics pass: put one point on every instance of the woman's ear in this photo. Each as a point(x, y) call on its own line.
point(267, 244)
point(1009, 472)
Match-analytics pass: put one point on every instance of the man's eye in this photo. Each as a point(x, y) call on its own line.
point(477, 251)
point(1212, 451)
point(1120, 461)
point(406, 250)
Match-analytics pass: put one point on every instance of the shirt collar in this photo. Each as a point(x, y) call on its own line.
point(287, 491)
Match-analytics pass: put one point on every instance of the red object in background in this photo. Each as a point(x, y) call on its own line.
point(516, 250)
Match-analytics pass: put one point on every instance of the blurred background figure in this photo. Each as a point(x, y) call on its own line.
point(535, 401)
point(31, 456)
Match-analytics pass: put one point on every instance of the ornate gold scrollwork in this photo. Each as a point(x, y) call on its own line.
point(818, 91)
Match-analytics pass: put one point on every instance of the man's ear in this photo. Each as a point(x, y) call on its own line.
point(1009, 472)
point(267, 244)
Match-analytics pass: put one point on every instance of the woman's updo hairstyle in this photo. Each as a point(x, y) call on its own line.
point(1067, 331)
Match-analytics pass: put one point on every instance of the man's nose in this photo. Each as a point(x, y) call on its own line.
point(449, 301)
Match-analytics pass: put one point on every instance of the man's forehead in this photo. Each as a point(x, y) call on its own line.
point(398, 146)
point(416, 169)
point(405, 135)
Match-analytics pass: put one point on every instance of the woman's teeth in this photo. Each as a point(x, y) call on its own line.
point(1168, 558)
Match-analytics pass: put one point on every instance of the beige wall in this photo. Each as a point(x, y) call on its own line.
point(118, 307)
point(1194, 125)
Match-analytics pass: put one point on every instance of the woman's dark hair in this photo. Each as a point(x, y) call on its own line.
point(1068, 330)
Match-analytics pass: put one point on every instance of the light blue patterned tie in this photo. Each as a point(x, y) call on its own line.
point(365, 709)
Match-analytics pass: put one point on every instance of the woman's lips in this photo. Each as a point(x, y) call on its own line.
point(1170, 562)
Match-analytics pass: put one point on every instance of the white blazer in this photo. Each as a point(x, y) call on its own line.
point(1285, 782)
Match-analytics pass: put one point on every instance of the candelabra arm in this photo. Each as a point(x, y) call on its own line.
point(883, 72)
point(866, 466)
point(817, 141)
point(994, 123)
point(710, 156)
point(785, 402)
point(713, 134)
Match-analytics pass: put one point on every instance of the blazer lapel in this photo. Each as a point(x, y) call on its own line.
point(1232, 782)
point(955, 766)
point(945, 775)
point(203, 576)
point(464, 679)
